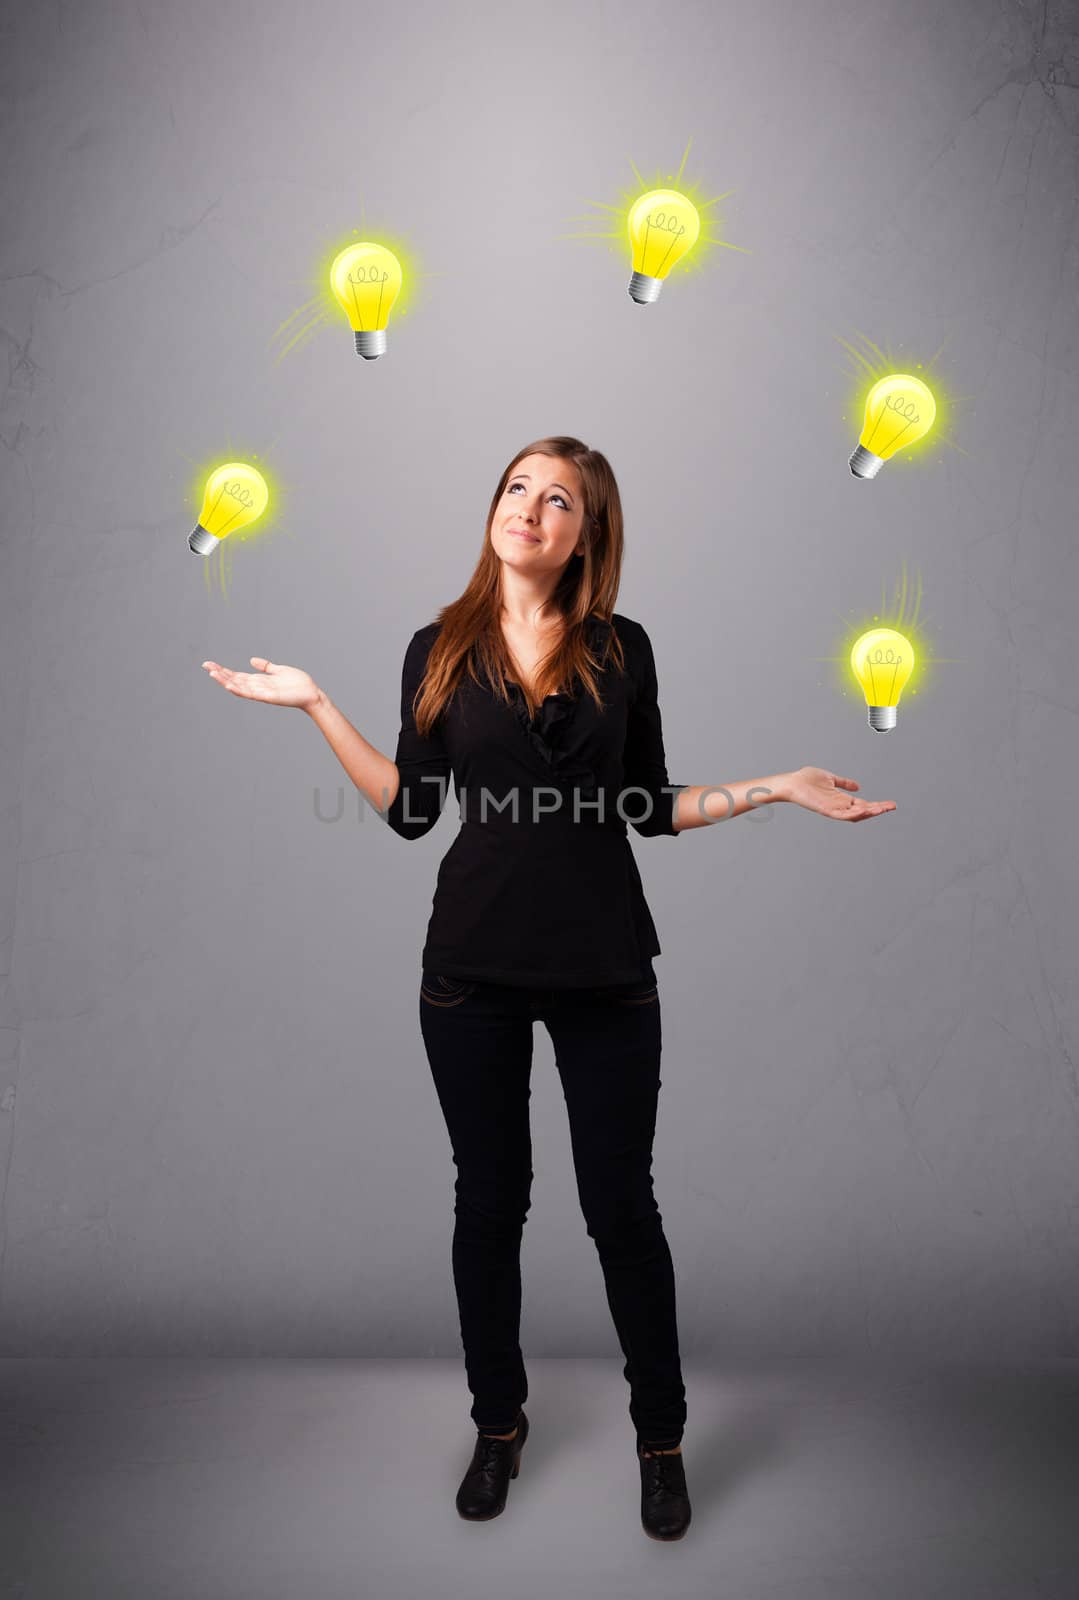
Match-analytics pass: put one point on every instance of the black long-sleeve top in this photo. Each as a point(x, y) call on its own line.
point(540, 887)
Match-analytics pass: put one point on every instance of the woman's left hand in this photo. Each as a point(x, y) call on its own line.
point(820, 790)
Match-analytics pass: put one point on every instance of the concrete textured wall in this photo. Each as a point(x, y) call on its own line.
point(217, 1127)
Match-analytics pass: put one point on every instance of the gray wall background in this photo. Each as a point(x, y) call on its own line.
point(217, 1127)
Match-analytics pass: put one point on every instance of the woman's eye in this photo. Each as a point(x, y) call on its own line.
point(558, 497)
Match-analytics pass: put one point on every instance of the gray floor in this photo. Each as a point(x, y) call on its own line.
point(235, 1479)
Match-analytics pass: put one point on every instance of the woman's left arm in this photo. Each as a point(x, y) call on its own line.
point(815, 788)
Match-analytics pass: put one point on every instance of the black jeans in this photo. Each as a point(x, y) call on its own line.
point(607, 1040)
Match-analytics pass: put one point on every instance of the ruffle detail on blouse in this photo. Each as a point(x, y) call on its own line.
point(546, 730)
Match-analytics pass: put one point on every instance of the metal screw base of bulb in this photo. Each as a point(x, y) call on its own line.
point(863, 463)
point(644, 289)
point(202, 541)
point(881, 718)
point(371, 343)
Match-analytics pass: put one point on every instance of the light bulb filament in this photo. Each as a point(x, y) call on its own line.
point(905, 408)
point(672, 225)
point(364, 277)
point(235, 491)
point(880, 657)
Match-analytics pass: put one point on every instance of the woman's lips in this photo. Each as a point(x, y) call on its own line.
point(527, 537)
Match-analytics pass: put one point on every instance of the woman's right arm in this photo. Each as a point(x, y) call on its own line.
point(374, 774)
point(276, 684)
point(408, 793)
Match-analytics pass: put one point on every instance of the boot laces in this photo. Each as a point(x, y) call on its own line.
point(494, 1452)
point(663, 1478)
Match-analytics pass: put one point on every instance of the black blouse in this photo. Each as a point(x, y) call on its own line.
point(540, 887)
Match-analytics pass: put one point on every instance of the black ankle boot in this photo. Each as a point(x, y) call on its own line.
point(482, 1494)
point(665, 1508)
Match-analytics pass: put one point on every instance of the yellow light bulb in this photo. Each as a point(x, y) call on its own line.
point(366, 280)
point(663, 227)
point(899, 410)
point(236, 495)
point(882, 661)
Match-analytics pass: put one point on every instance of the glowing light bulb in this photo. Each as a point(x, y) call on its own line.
point(235, 496)
point(663, 227)
point(366, 280)
point(899, 410)
point(882, 661)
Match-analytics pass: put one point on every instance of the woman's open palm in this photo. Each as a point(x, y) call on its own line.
point(820, 790)
point(273, 683)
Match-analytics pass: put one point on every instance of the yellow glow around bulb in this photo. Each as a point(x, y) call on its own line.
point(882, 660)
point(366, 280)
point(899, 410)
point(236, 495)
point(663, 227)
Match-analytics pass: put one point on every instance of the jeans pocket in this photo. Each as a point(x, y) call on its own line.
point(636, 994)
point(440, 991)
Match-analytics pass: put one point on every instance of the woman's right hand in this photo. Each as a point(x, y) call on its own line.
point(273, 683)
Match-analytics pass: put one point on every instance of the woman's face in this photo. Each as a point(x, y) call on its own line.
point(543, 498)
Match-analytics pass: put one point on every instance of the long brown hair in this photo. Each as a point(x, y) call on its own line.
point(471, 638)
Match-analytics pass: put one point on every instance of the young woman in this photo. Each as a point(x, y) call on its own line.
point(541, 701)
